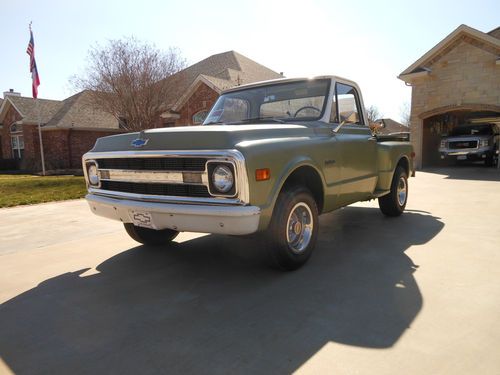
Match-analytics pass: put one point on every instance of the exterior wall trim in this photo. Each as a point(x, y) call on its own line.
point(462, 29)
point(411, 76)
point(198, 81)
point(453, 107)
point(4, 105)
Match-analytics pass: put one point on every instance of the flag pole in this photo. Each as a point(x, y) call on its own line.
point(35, 83)
point(40, 135)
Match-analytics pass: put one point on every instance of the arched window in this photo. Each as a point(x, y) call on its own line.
point(199, 117)
point(15, 128)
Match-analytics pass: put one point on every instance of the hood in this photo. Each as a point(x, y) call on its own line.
point(212, 137)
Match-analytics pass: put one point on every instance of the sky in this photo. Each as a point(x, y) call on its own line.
point(370, 42)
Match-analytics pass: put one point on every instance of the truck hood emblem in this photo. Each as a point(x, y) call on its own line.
point(140, 142)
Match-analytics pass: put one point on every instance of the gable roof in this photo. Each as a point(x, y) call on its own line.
point(495, 32)
point(77, 111)
point(220, 71)
point(30, 111)
point(421, 67)
point(73, 112)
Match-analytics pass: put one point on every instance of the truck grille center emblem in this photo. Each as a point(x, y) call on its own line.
point(141, 141)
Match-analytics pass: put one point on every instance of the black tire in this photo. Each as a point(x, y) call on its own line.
point(292, 251)
point(150, 237)
point(490, 161)
point(393, 203)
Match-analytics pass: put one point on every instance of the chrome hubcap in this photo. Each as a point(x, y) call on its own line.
point(402, 191)
point(299, 227)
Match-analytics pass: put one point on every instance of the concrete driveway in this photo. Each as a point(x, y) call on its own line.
point(419, 294)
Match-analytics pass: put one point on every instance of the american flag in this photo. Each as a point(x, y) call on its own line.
point(34, 71)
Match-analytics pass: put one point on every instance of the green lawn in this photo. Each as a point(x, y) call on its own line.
point(26, 189)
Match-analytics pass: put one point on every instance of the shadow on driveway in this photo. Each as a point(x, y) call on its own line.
point(210, 305)
point(461, 172)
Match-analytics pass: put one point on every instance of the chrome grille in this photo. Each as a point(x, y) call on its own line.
point(154, 164)
point(463, 144)
point(166, 176)
point(175, 190)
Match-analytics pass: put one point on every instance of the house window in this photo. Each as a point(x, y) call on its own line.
point(17, 141)
point(199, 117)
point(17, 146)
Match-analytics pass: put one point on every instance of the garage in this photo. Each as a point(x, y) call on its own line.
point(456, 93)
point(461, 137)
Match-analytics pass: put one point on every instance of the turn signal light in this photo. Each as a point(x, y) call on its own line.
point(262, 174)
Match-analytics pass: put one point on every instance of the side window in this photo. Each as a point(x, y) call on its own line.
point(345, 106)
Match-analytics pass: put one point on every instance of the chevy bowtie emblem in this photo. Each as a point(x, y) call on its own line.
point(140, 142)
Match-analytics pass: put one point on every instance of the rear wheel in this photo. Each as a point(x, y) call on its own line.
point(292, 233)
point(394, 203)
point(150, 237)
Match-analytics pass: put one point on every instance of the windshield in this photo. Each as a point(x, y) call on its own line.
point(280, 102)
point(472, 130)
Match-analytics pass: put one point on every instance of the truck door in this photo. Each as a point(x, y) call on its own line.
point(358, 148)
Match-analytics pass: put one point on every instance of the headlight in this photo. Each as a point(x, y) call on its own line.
point(93, 174)
point(484, 142)
point(222, 178)
point(442, 144)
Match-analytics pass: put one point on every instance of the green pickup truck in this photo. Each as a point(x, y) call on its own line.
point(269, 158)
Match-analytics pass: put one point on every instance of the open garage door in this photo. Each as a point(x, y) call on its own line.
point(442, 127)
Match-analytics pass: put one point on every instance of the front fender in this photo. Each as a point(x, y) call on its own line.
point(283, 158)
point(293, 165)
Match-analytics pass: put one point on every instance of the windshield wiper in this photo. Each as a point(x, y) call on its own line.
point(266, 118)
point(214, 123)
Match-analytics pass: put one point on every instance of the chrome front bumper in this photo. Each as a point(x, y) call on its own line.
point(235, 220)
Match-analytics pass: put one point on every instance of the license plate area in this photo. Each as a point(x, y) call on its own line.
point(462, 157)
point(142, 219)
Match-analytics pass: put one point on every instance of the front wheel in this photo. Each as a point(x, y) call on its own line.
point(394, 203)
point(151, 237)
point(292, 233)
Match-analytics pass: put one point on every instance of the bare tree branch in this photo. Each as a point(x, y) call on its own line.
point(373, 113)
point(405, 113)
point(127, 78)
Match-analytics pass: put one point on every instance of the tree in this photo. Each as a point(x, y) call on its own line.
point(373, 113)
point(405, 113)
point(127, 78)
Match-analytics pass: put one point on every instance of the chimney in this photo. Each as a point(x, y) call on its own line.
point(11, 92)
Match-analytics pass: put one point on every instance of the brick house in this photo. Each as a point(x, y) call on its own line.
point(70, 127)
point(199, 86)
point(456, 82)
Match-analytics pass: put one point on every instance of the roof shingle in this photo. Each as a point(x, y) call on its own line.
point(223, 70)
point(76, 111)
point(33, 111)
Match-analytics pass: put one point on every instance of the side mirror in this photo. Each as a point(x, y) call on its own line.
point(351, 117)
